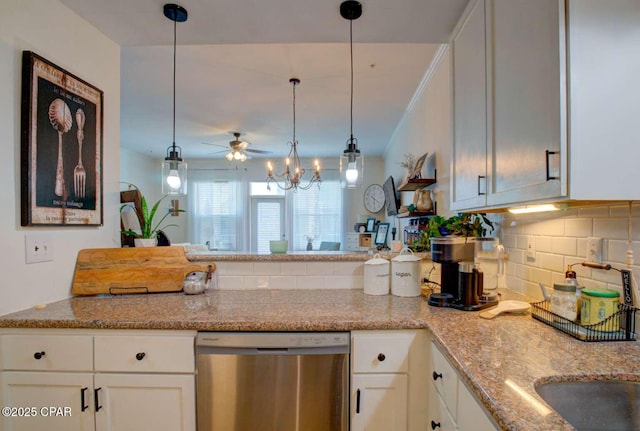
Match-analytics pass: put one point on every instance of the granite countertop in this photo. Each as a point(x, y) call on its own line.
point(501, 359)
point(298, 256)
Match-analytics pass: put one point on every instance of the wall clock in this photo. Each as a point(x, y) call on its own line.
point(374, 198)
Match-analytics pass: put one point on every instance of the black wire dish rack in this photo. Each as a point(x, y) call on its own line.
point(620, 326)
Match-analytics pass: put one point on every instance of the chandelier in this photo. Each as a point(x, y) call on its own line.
point(292, 177)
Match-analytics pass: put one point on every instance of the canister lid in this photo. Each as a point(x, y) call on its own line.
point(406, 255)
point(563, 287)
point(377, 260)
point(602, 293)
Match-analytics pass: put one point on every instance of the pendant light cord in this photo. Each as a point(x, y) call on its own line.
point(294, 112)
point(175, 23)
point(351, 54)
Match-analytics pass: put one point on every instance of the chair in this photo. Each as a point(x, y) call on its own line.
point(329, 246)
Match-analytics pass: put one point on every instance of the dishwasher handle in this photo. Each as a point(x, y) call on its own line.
point(266, 351)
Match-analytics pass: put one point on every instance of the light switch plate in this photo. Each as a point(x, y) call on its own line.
point(38, 248)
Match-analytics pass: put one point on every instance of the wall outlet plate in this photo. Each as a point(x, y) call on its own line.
point(594, 249)
point(530, 252)
point(38, 247)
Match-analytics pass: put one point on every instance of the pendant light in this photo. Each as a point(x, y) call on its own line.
point(293, 174)
point(351, 161)
point(174, 169)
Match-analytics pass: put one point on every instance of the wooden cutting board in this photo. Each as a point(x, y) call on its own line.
point(132, 270)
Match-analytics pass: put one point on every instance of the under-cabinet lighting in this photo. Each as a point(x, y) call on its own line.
point(537, 405)
point(534, 209)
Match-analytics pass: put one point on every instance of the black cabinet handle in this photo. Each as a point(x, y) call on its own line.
point(82, 399)
point(140, 356)
point(480, 177)
point(39, 355)
point(547, 153)
point(96, 399)
point(381, 357)
point(358, 401)
point(436, 376)
point(435, 425)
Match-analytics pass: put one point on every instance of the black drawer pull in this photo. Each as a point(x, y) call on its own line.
point(83, 405)
point(140, 356)
point(39, 355)
point(435, 425)
point(436, 376)
point(96, 399)
point(381, 357)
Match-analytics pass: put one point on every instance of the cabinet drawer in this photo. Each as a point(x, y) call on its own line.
point(144, 354)
point(444, 379)
point(47, 352)
point(381, 353)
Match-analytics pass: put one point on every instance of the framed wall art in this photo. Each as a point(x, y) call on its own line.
point(61, 146)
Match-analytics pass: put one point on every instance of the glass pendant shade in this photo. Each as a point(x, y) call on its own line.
point(174, 177)
point(351, 167)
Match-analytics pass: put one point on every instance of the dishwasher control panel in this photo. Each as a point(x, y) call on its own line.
point(272, 339)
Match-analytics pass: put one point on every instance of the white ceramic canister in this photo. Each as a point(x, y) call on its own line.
point(376, 276)
point(405, 274)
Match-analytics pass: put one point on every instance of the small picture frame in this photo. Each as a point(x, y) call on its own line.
point(381, 234)
point(371, 224)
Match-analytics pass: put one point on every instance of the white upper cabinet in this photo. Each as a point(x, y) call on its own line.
point(559, 117)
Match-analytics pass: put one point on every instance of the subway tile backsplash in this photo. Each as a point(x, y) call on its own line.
point(289, 275)
point(560, 239)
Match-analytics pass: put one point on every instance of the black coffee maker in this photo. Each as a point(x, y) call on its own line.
point(461, 281)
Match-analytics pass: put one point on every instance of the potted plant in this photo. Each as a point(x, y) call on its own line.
point(464, 224)
point(148, 234)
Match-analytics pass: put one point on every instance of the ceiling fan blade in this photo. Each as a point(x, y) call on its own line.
point(249, 150)
point(215, 145)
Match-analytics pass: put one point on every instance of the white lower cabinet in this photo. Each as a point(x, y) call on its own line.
point(389, 381)
point(97, 380)
point(29, 396)
point(452, 406)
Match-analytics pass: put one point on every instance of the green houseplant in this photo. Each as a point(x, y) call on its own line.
point(148, 228)
point(464, 224)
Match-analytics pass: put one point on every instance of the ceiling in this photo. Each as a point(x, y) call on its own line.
point(235, 59)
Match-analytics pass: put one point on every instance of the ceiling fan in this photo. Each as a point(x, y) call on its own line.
point(238, 149)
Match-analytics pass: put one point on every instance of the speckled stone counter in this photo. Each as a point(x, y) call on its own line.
point(301, 256)
point(501, 359)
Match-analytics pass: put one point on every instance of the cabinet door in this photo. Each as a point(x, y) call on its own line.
point(471, 415)
point(132, 402)
point(379, 402)
point(439, 417)
point(57, 399)
point(469, 167)
point(528, 99)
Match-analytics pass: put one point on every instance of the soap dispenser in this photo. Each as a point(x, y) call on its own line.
point(570, 278)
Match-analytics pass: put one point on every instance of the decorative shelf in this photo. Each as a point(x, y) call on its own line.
point(415, 214)
point(418, 183)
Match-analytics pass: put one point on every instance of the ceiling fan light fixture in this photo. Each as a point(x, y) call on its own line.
point(293, 174)
point(351, 160)
point(174, 168)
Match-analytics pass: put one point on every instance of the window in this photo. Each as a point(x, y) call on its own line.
point(215, 211)
point(317, 214)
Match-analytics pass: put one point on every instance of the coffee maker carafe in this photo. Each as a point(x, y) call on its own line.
point(461, 281)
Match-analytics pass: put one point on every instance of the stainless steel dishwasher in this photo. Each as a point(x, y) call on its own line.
point(272, 381)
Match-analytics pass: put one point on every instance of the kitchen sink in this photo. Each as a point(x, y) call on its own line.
point(595, 405)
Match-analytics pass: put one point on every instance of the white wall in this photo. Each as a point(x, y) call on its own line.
point(426, 127)
point(59, 35)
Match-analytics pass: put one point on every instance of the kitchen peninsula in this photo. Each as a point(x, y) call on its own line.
point(492, 357)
